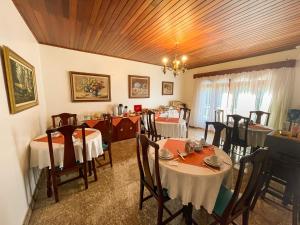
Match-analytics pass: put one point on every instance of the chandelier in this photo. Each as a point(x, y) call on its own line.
point(177, 66)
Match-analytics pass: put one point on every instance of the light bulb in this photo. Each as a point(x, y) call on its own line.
point(165, 60)
point(183, 58)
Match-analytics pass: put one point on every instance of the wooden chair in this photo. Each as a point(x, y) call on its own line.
point(230, 205)
point(186, 116)
point(259, 115)
point(285, 170)
point(106, 129)
point(70, 164)
point(64, 119)
point(152, 132)
point(146, 179)
point(236, 139)
point(218, 130)
point(219, 115)
point(143, 124)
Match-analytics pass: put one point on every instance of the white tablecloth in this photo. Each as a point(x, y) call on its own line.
point(40, 157)
point(188, 183)
point(169, 129)
point(256, 137)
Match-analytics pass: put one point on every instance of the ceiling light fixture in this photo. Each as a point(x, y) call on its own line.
point(177, 66)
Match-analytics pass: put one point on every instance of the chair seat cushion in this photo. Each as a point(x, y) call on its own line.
point(223, 199)
point(104, 146)
point(165, 193)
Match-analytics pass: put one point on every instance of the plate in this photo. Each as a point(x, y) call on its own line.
point(169, 156)
point(210, 163)
point(206, 145)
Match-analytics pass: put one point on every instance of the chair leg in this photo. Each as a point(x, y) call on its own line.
point(245, 217)
point(94, 169)
point(110, 157)
point(160, 213)
point(85, 176)
point(296, 212)
point(49, 183)
point(54, 182)
point(141, 195)
point(90, 168)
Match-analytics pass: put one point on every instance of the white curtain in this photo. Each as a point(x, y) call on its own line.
point(267, 90)
point(210, 93)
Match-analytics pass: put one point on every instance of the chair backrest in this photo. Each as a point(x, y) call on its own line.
point(258, 117)
point(237, 121)
point(218, 130)
point(64, 119)
point(219, 115)
point(240, 202)
point(143, 145)
point(186, 113)
point(151, 123)
point(69, 160)
point(108, 129)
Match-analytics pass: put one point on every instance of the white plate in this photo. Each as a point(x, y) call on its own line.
point(214, 164)
point(169, 156)
point(206, 145)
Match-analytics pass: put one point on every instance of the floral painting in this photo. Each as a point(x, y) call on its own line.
point(20, 81)
point(90, 87)
point(167, 88)
point(139, 86)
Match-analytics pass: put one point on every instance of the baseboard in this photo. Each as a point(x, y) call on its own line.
point(32, 203)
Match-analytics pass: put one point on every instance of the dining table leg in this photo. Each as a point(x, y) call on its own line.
point(187, 214)
point(49, 183)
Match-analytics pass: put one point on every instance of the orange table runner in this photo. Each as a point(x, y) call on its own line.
point(134, 119)
point(195, 158)
point(116, 121)
point(165, 119)
point(60, 139)
point(259, 127)
point(92, 123)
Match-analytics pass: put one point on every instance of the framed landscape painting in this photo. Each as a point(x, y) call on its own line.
point(138, 86)
point(90, 87)
point(20, 81)
point(167, 88)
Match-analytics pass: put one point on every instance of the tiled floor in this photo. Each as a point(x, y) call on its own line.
point(113, 199)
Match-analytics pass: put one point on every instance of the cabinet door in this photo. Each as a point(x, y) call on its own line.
point(126, 129)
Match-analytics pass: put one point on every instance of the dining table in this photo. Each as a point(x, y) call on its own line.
point(189, 179)
point(256, 136)
point(169, 124)
point(39, 154)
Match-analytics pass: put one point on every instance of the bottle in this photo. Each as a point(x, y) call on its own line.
point(120, 109)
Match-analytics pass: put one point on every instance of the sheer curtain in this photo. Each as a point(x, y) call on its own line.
point(267, 90)
point(210, 93)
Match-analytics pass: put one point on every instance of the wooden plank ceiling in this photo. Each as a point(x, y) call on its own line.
point(208, 31)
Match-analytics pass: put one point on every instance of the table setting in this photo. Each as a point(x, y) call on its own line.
point(257, 134)
point(40, 157)
point(169, 124)
point(192, 171)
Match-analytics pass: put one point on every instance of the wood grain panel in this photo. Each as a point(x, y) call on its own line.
point(208, 32)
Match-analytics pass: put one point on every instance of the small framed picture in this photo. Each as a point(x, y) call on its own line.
point(90, 87)
point(167, 88)
point(20, 82)
point(138, 86)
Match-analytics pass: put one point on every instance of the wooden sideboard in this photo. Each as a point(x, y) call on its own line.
point(123, 128)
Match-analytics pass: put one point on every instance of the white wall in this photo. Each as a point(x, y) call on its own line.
point(17, 179)
point(188, 85)
point(57, 62)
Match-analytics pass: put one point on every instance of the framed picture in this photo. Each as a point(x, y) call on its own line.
point(20, 81)
point(167, 88)
point(138, 86)
point(90, 87)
